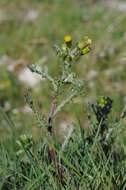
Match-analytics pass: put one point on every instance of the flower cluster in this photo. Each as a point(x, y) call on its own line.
point(102, 108)
point(70, 51)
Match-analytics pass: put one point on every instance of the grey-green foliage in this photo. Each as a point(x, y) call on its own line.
point(67, 83)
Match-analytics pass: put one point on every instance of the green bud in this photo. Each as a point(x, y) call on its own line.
point(85, 50)
point(86, 42)
point(64, 48)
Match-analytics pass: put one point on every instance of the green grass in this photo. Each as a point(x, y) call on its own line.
point(83, 163)
point(31, 41)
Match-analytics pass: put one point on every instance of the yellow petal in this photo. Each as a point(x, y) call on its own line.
point(67, 38)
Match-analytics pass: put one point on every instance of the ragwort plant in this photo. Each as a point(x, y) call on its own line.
point(83, 160)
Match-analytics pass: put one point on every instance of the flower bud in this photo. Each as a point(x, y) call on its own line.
point(102, 101)
point(85, 50)
point(68, 40)
point(86, 42)
point(64, 48)
point(89, 41)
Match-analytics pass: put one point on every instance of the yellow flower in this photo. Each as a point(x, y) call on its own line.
point(102, 102)
point(68, 40)
point(85, 50)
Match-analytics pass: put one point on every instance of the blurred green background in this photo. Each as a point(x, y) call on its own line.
point(28, 31)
